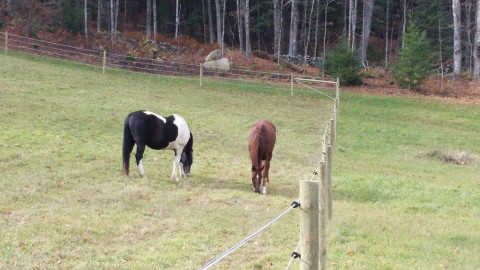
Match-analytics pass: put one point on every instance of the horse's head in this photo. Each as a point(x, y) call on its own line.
point(256, 178)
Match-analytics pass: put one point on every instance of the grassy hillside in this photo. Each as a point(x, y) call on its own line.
point(66, 204)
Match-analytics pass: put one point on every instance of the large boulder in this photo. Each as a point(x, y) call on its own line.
point(214, 55)
point(222, 64)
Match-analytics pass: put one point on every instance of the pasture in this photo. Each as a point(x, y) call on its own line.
point(64, 202)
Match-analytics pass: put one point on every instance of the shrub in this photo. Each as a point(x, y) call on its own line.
point(414, 59)
point(72, 16)
point(342, 63)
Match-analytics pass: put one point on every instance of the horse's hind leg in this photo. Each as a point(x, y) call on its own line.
point(139, 158)
point(266, 180)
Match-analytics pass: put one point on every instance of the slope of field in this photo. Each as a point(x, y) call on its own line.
point(65, 204)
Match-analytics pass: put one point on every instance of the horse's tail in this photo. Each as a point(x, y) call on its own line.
point(128, 143)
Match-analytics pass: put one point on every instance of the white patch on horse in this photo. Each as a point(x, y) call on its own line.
point(140, 168)
point(158, 116)
point(264, 190)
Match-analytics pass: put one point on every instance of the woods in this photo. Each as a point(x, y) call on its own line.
point(294, 28)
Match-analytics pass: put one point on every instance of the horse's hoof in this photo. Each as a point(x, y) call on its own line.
point(264, 190)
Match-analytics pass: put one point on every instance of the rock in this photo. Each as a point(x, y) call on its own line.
point(222, 64)
point(214, 55)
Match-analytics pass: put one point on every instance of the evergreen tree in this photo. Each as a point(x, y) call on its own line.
point(72, 16)
point(415, 59)
point(342, 63)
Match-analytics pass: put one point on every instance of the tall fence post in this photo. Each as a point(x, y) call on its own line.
point(291, 84)
point(332, 132)
point(104, 61)
point(6, 42)
point(323, 211)
point(329, 181)
point(201, 74)
point(309, 225)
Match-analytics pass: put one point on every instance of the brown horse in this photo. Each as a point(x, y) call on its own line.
point(261, 142)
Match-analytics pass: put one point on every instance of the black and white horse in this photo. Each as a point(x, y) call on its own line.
point(146, 128)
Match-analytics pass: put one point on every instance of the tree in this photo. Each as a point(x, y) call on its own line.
point(154, 11)
point(342, 63)
point(292, 44)
point(210, 22)
point(476, 45)
point(148, 27)
point(457, 41)
point(218, 12)
point(248, 46)
point(177, 18)
point(72, 16)
point(277, 26)
point(99, 15)
point(367, 23)
point(240, 15)
point(415, 59)
point(85, 19)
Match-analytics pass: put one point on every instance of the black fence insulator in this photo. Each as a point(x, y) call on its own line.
point(295, 204)
point(315, 172)
point(296, 255)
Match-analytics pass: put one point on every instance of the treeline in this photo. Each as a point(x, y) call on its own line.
point(374, 30)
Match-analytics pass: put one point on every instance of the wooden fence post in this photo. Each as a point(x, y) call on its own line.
point(332, 133)
point(6, 42)
point(329, 181)
point(323, 211)
point(104, 61)
point(201, 74)
point(309, 225)
point(291, 84)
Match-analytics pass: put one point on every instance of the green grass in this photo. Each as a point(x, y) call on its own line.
point(65, 204)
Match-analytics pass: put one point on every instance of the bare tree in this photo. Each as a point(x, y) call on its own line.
point(457, 41)
point(386, 33)
point(177, 18)
point(154, 11)
point(404, 22)
point(277, 26)
point(307, 39)
point(148, 27)
point(353, 23)
point(85, 19)
point(292, 44)
point(99, 15)
point(476, 45)
point(367, 23)
point(218, 12)
point(468, 30)
point(248, 46)
point(240, 16)
point(113, 33)
point(210, 22)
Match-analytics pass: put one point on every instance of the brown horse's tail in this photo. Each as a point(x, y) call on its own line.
point(128, 143)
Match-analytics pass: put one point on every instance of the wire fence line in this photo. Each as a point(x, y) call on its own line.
point(109, 61)
point(275, 81)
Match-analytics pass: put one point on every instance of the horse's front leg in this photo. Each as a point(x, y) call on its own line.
point(177, 166)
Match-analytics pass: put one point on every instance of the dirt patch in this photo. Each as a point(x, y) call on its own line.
point(457, 158)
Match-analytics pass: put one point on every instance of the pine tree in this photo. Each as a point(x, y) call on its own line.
point(415, 59)
point(342, 63)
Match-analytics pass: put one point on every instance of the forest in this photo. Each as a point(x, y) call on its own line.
point(446, 33)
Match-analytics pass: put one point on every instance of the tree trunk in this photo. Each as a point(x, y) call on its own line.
point(468, 28)
point(307, 40)
point(404, 27)
point(99, 15)
point(457, 42)
point(154, 11)
point(292, 44)
point(85, 19)
point(277, 26)
point(476, 45)
point(117, 7)
point(148, 26)
point(248, 46)
point(240, 16)
point(177, 18)
point(218, 12)
point(354, 23)
point(210, 22)
point(113, 34)
point(367, 23)
point(315, 47)
point(386, 35)
point(350, 22)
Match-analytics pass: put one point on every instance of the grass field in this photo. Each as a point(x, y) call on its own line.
point(65, 204)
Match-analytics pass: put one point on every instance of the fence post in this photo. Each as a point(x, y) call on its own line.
point(201, 74)
point(6, 42)
point(309, 227)
point(104, 61)
point(332, 132)
point(291, 83)
point(329, 181)
point(323, 211)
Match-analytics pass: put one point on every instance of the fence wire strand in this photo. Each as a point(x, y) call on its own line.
point(292, 257)
point(243, 242)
